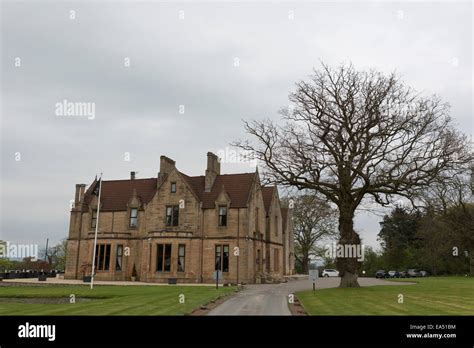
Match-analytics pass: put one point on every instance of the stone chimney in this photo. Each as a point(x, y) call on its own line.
point(213, 170)
point(166, 166)
point(132, 175)
point(79, 197)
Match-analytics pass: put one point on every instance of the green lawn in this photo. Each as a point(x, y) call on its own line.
point(430, 296)
point(105, 300)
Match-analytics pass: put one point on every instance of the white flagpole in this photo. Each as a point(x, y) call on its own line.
point(96, 230)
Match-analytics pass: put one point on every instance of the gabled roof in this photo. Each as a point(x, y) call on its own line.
point(237, 187)
point(115, 194)
point(267, 193)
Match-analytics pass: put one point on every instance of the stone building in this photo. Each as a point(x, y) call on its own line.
point(182, 228)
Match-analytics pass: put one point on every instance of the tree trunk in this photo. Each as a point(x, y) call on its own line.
point(305, 264)
point(347, 266)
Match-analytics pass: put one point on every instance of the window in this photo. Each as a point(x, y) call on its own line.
point(181, 257)
point(223, 216)
point(173, 187)
point(102, 257)
point(133, 217)
point(119, 258)
point(163, 258)
point(172, 215)
point(94, 218)
point(276, 225)
point(222, 258)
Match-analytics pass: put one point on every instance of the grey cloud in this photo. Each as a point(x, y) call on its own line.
point(189, 62)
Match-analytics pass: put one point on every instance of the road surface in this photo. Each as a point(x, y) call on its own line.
point(272, 299)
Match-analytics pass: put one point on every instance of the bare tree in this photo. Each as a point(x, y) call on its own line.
point(446, 191)
point(452, 199)
point(55, 255)
point(314, 221)
point(352, 135)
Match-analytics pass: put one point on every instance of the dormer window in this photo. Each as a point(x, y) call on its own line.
point(94, 218)
point(223, 216)
point(133, 217)
point(173, 187)
point(172, 215)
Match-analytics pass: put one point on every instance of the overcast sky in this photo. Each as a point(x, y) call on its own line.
point(189, 61)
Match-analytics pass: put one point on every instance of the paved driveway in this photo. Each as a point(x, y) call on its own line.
point(272, 299)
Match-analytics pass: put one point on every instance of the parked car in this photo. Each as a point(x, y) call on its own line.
point(413, 273)
point(423, 274)
point(380, 273)
point(402, 274)
point(393, 274)
point(330, 273)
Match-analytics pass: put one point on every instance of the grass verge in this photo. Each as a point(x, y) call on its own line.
point(106, 300)
point(429, 296)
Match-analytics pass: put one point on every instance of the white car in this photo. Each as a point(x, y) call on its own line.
point(330, 273)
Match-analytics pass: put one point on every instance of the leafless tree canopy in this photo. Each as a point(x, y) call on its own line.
point(314, 221)
point(448, 191)
point(354, 134)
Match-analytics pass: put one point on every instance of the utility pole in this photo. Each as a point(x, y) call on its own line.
point(46, 251)
point(96, 230)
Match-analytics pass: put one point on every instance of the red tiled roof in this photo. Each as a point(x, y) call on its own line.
point(116, 194)
point(237, 187)
point(267, 193)
point(196, 184)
